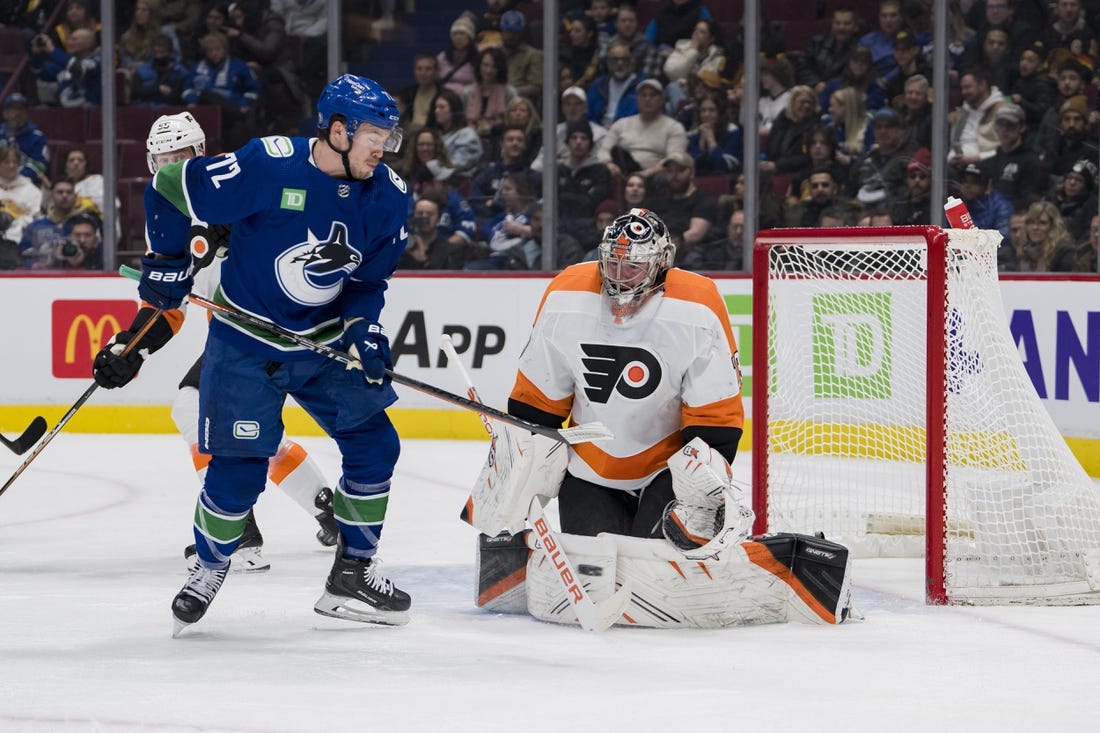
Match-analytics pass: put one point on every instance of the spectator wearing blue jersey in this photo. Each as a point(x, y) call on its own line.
point(318, 226)
point(614, 95)
point(226, 81)
point(714, 142)
point(160, 79)
point(17, 129)
point(881, 42)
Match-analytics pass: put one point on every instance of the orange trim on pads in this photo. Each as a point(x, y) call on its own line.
point(290, 456)
point(760, 556)
point(496, 590)
point(199, 460)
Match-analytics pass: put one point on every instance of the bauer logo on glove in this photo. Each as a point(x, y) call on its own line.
point(366, 341)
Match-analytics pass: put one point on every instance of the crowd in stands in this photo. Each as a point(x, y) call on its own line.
point(651, 114)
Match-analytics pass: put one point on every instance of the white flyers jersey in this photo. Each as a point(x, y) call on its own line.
point(672, 364)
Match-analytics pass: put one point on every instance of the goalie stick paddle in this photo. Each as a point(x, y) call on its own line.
point(30, 436)
point(577, 434)
point(592, 616)
point(72, 410)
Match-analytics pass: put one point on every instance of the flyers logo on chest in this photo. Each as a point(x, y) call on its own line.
point(313, 272)
point(631, 371)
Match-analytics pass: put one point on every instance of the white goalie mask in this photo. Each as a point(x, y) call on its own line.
point(179, 133)
point(634, 255)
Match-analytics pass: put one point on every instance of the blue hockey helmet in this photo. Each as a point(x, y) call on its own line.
point(358, 100)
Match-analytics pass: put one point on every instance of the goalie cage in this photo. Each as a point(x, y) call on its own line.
point(888, 381)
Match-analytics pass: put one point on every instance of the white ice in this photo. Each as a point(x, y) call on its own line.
point(90, 556)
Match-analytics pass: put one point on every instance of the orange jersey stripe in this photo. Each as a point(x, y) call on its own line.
point(727, 413)
point(684, 285)
point(637, 466)
point(526, 392)
point(290, 456)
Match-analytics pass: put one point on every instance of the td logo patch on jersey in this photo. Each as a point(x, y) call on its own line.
point(631, 371)
point(313, 272)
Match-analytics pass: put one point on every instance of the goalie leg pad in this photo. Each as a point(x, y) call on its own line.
point(817, 572)
point(501, 567)
point(519, 467)
point(594, 560)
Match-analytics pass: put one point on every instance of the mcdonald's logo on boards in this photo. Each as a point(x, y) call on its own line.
point(80, 328)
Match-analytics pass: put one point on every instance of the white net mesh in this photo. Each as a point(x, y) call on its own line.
point(849, 429)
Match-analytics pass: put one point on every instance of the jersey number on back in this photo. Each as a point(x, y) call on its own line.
point(229, 160)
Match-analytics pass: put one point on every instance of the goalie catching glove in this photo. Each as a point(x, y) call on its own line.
point(366, 340)
point(112, 368)
point(709, 513)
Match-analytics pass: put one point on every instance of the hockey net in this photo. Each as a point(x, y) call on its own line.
point(892, 412)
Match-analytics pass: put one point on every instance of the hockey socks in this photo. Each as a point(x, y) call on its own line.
point(360, 510)
point(216, 532)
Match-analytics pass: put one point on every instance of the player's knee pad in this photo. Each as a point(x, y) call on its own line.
point(594, 560)
point(501, 567)
point(185, 414)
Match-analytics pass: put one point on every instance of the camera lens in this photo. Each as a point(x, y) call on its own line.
point(69, 249)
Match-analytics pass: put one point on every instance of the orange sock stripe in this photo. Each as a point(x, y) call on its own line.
point(200, 460)
point(290, 456)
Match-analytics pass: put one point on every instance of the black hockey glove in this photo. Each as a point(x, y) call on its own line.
point(208, 243)
point(366, 340)
point(112, 368)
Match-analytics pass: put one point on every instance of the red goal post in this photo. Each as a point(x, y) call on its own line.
point(892, 411)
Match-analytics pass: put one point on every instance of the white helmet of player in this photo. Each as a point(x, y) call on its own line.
point(634, 255)
point(178, 133)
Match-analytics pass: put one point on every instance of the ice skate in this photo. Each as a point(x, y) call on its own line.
point(329, 532)
point(357, 591)
point(248, 557)
point(195, 597)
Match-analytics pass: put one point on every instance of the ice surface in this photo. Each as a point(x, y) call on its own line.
point(91, 540)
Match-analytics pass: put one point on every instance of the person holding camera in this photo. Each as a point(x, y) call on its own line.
point(82, 249)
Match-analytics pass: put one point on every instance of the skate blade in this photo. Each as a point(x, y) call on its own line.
point(350, 609)
point(177, 627)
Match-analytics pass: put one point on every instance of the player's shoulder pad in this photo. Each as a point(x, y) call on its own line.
point(686, 285)
point(584, 277)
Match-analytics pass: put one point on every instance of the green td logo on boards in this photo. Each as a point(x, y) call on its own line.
point(852, 345)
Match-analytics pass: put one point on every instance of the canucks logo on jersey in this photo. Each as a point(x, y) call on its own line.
point(313, 272)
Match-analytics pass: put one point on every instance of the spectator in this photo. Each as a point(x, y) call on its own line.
point(583, 181)
point(880, 42)
point(457, 222)
point(1033, 88)
point(507, 231)
point(486, 100)
point(417, 98)
point(879, 174)
point(615, 95)
point(1075, 197)
point(184, 17)
point(78, 15)
point(1079, 257)
point(488, 23)
point(910, 62)
point(227, 82)
point(686, 210)
point(916, 207)
point(916, 112)
point(836, 217)
point(715, 143)
point(574, 107)
point(484, 193)
point(524, 60)
point(425, 151)
point(1072, 143)
point(604, 15)
point(640, 142)
point(17, 130)
point(79, 83)
point(826, 55)
point(82, 249)
point(973, 138)
point(1044, 233)
point(135, 45)
point(674, 21)
point(821, 149)
point(1068, 29)
point(1021, 23)
point(1014, 167)
point(567, 250)
point(988, 208)
point(858, 73)
point(635, 193)
point(307, 20)
point(702, 52)
point(20, 199)
point(160, 79)
point(88, 185)
point(462, 142)
point(824, 194)
point(581, 52)
point(257, 36)
point(428, 248)
point(1070, 80)
point(47, 60)
point(456, 62)
point(993, 51)
point(40, 236)
point(723, 253)
point(784, 151)
point(848, 119)
point(214, 21)
point(646, 59)
point(776, 78)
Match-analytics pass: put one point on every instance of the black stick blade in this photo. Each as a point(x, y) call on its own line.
point(30, 436)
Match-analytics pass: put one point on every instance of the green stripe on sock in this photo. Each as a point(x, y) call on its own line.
point(216, 526)
point(360, 509)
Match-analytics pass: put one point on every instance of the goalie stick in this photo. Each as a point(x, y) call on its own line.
point(30, 436)
point(72, 410)
point(575, 434)
point(592, 616)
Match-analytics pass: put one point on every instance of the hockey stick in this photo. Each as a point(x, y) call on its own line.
point(575, 434)
point(592, 616)
point(30, 436)
point(76, 405)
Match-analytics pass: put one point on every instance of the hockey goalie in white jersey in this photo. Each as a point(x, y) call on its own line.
point(647, 350)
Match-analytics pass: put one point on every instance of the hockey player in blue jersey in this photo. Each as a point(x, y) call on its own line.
point(318, 228)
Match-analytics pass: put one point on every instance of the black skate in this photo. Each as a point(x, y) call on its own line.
point(195, 597)
point(356, 591)
point(329, 531)
point(248, 557)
